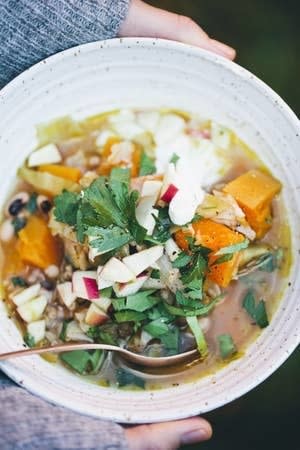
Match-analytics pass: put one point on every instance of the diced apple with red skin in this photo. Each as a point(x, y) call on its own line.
point(33, 310)
point(138, 262)
point(102, 284)
point(116, 271)
point(170, 184)
point(81, 284)
point(66, 293)
point(26, 294)
point(37, 330)
point(124, 289)
point(95, 316)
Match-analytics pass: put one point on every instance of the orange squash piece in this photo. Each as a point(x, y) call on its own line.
point(254, 192)
point(106, 167)
point(214, 236)
point(37, 246)
point(69, 173)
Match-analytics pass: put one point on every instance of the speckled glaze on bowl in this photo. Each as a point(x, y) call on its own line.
point(155, 73)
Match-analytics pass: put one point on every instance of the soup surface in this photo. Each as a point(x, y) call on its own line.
point(155, 230)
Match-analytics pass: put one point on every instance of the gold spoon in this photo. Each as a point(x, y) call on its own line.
point(142, 360)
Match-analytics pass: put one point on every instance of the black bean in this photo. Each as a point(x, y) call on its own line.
point(47, 284)
point(45, 206)
point(15, 207)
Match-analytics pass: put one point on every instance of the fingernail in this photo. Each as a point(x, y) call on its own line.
point(227, 51)
point(191, 437)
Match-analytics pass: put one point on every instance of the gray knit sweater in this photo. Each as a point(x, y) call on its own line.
point(31, 30)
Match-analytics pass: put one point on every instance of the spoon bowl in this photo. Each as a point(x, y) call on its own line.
point(146, 361)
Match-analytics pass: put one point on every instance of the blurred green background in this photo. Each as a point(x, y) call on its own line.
point(266, 34)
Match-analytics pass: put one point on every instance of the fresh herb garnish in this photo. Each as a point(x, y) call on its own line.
point(174, 158)
point(19, 281)
point(147, 165)
point(182, 260)
point(157, 327)
point(29, 340)
point(257, 312)
point(19, 223)
point(140, 302)
point(105, 334)
point(226, 345)
point(63, 332)
point(125, 378)
point(155, 274)
point(129, 316)
point(84, 361)
point(32, 204)
point(105, 212)
point(162, 228)
point(233, 248)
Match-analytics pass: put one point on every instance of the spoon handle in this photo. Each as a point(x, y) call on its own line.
point(58, 348)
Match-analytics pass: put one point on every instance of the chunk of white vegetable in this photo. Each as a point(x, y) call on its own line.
point(26, 294)
point(95, 315)
point(37, 330)
point(66, 293)
point(49, 154)
point(124, 289)
point(33, 310)
point(139, 262)
point(172, 249)
point(116, 271)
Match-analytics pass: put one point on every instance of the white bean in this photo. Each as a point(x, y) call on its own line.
point(52, 271)
point(7, 231)
point(23, 196)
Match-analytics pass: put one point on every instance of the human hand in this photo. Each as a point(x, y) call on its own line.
point(168, 435)
point(147, 21)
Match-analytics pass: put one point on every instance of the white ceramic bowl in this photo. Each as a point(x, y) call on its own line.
point(155, 73)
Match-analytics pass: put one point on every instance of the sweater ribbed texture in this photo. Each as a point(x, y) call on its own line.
point(31, 30)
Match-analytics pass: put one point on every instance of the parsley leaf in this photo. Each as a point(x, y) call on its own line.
point(174, 158)
point(147, 165)
point(66, 207)
point(129, 316)
point(32, 204)
point(29, 340)
point(198, 334)
point(233, 248)
point(182, 260)
point(107, 239)
point(125, 378)
point(257, 312)
point(161, 232)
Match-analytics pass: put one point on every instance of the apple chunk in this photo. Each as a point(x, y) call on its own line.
point(26, 294)
point(81, 284)
point(138, 262)
point(124, 289)
point(95, 315)
point(33, 310)
point(66, 293)
point(49, 154)
point(37, 330)
point(116, 271)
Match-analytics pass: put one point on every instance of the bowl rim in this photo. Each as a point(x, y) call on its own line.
point(16, 374)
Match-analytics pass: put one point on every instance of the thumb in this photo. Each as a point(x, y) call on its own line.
point(168, 435)
point(147, 21)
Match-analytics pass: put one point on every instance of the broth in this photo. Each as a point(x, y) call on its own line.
point(192, 260)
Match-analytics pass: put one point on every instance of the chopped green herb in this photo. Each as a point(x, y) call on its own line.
point(202, 310)
point(108, 239)
point(105, 334)
point(32, 204)
point(170, 341)
point(233, 248)
point(84, 361)
point(62, 335)
point(141, 301)
point(162, 228)
point(174, 158)
point(147, 165)
point(224, 258)
point(157, 327)
point(66, 207)
point(182, 260)
point(125, 378)
point(29, 340)
point(107, 292)
point(226, 345)
point(257, 312)
point(155, 274)
point(129, 316)
point(19, 281)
